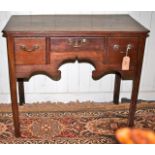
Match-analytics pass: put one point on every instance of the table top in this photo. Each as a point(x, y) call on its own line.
point(79, 23)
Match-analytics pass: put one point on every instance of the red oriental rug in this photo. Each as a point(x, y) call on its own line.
point(72, 123)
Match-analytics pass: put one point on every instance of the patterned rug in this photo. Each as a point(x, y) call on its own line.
point(78, 123)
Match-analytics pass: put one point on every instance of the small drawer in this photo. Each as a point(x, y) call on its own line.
point(72, 44)
point(30, 50)
point(117, 47)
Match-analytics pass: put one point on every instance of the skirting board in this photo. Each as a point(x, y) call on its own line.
point(81, 97)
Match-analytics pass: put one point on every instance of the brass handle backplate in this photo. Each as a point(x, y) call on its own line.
point(26, 49)
point(77, 43)
point(117, 47)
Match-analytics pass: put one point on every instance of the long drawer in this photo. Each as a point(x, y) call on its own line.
point(76, 44)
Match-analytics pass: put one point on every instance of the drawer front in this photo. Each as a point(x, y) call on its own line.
point(30, 50)
point(117, 47)
point(72, 44)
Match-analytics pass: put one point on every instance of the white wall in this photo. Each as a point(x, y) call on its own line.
point(76, 82)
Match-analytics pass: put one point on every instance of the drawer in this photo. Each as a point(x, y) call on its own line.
point(72, 44)
point(117, 47)
point(30, 50)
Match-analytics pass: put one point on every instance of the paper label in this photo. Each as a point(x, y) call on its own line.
point(126, 63)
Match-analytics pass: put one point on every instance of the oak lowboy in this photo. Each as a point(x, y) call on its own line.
point(40, 44)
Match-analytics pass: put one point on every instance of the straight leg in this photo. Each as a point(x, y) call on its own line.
point(13, 89)
point(117, 88)
point(133, 103)
point(21, 91)
point(136, 82)
point(15, 106)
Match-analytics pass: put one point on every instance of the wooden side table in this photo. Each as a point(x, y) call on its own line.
point(40, 44)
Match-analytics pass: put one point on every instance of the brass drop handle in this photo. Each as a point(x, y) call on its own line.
point(77, 43)
point(26, 49)
point(128, 47)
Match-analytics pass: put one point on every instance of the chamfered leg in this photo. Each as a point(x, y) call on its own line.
point(133, 103)
point(21, 91)
point(13, 89)
point(136, 83)
point(117, 88)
